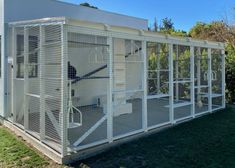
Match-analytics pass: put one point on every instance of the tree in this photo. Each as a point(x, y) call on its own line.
point(88, 5)
point(222, 32)
point(167, 25)
point(215, 31)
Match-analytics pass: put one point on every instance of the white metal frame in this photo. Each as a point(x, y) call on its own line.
point(110, 33)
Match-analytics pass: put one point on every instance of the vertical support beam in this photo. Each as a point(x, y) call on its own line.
point(145, 87)
point(3, 75)
point(223, 79)
point(158, 67)
point(42, 81)
point(171, 85)
point(209, 80)
point(26, 78)
point(4, 69)
point(13, 47)
point(199, 57)
point(110, 92)
point(192, 90)
point(64, 95)
point(177, 73)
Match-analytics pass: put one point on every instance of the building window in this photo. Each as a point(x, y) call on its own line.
point(33, 57)
point(20, 56)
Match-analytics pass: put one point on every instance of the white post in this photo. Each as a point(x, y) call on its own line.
point(177, 73)
point(209, 80)
point(223, 79)
point(110, 92)
point(199, 57)
point(145, 87)
point(64, 95)
point(192, 91)
point(158, 67)
point(171, 85)
point(42, 82)
point(26, 78)
point(14, 44)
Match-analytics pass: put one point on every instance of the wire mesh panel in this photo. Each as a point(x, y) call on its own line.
point(37, 80)
point(216, 59)
point(216, 78)
point(158, 83)
point(32, 80)
point(19, 76)
point(182, 82)
point(51, 81)
point(201, 81)
point(217, 102)
point(127, 86)
point(88, 79)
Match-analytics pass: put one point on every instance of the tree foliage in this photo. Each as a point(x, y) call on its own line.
point(167, 27)
point(222, 32)
point(88, 5)
point(215, 31)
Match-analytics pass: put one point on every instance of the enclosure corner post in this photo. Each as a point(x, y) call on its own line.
point(177, 73)
point(144, 81)
point(26, 76)
point(210, 80)
point(198, 63)
point(171, 86)
point(223, 79)
point(192, 90)
point(14, 73)
point(110, 90)
point(64, 96)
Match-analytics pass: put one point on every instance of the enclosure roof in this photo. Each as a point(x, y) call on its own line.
point(122, 32)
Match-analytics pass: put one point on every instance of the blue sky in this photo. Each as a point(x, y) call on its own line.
point(184, 13)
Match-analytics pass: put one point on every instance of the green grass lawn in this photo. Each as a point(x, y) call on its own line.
point(204, 142)
point(14, 153)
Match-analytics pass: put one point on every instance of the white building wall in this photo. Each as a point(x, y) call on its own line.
point(17, 10)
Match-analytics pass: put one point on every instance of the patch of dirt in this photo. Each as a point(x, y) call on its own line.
point(25, 158)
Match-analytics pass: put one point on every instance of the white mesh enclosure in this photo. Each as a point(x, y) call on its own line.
point(76, 87)
point(158, 83)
